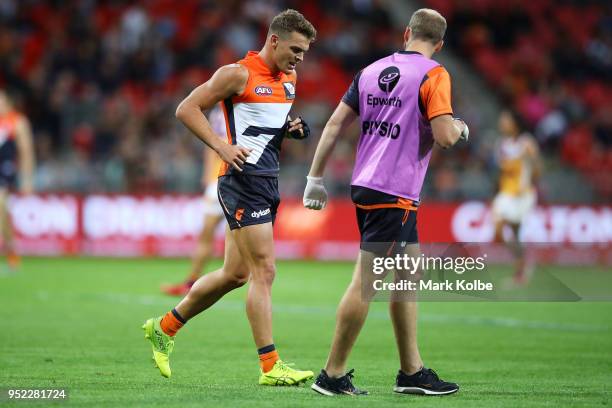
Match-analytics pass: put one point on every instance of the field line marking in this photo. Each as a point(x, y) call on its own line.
point(509, 322)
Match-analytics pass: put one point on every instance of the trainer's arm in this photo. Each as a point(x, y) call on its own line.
point(226, 81)
point(25, 151)
point(446, 130)
point(342, 117)
point(435, 96)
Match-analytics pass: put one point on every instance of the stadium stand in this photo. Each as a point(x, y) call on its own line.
point(100, 82)
point(551, 61)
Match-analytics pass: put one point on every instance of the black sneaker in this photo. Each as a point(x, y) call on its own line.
point(326, 385)
point(423, 382)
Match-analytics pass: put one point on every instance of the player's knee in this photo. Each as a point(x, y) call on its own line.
point(236, 274)
point(237, 281)
point(265, 272)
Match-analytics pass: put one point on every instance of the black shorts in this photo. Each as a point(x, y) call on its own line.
point(248, 199)
point(386, 222)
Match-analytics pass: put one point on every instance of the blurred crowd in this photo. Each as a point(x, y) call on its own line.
point(100, 81)
point(550, 61)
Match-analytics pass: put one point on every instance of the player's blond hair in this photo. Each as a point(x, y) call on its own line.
point(428, 25)
point(290, 21)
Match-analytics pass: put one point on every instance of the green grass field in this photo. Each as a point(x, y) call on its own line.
point(75, 323)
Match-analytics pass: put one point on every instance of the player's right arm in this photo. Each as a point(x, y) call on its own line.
point(226, 81)
point(211, 167)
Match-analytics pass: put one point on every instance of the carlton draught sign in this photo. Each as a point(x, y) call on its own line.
point(167, 225)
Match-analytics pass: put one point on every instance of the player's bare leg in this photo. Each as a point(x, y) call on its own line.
point(257, 248)
point(413, 377)
point(211, 287)
point(404, 318)
point(12, 258)
point(350, 317)
point(160, 331)
point(259, 262)
point(499, 231)
point(201, 256)
point(403, 312)
point(522, 271)
point(7, 233)
point(205, 246)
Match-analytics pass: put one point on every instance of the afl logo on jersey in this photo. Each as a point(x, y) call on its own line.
point(388, 79)
point(263, 90)
point(289, 90)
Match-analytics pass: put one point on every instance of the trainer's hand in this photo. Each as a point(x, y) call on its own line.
point(465, 131)
point(315, 195)
point(297, 128)
point(234, 155)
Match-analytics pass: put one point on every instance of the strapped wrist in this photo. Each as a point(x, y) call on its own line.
point(314, 179)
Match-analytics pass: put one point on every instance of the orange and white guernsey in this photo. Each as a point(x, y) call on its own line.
point(8, 131)
point(8, 125)
point(256, 119)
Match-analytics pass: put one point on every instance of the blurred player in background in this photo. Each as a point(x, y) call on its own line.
point(213, 214)
point(404, 104)
point(257, 94)
point(519, 162)
point(16, 159)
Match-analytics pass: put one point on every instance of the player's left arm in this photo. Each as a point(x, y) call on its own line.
point(296, 128)
point(25, 151)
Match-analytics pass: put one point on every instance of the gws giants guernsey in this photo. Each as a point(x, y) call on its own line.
point(256, 118)
point(8, 146)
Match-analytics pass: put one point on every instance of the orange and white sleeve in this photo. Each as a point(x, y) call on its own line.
point(435, 93)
